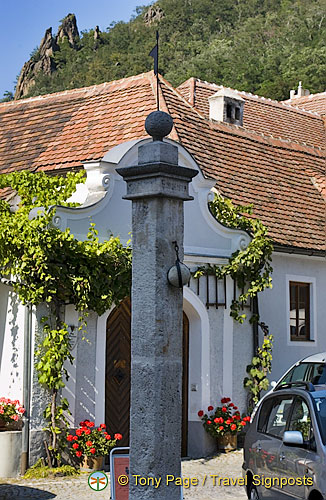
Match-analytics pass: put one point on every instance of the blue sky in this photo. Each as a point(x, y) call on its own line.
point(23, 24)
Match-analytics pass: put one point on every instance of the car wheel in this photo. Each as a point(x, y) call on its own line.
point(253, 494)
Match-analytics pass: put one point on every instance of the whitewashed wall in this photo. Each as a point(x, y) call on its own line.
point(274, 308)
point(11, 344)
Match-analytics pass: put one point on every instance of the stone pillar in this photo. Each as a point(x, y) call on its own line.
point(157, 187)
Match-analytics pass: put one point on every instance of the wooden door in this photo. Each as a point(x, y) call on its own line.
point(117, 379)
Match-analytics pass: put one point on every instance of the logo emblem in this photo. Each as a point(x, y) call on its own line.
point(97, 481)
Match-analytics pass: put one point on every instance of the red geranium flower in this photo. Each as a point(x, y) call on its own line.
point(208, 422)
point(79, 432)
point(78, 453)
point(233, 427)
point(216, 420)
point(89, 443)
point(103, 426)
point(118, 437)
point(70, 437)
point(243, 423)
point(87, 431)
point(210, 408)
point(200, 413)
point(75, 438)
point(235, 407)
point(92, 450)
point(107, 436)
point(224, 409)
point(90, 424)
point(221, 427)
point(75, 446)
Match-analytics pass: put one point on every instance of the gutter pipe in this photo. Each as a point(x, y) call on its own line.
point(26, 388)
point(255, 336)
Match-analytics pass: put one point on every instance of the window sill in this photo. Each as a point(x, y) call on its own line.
point(301, 341)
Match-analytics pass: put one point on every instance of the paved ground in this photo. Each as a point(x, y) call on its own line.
point(223, 466)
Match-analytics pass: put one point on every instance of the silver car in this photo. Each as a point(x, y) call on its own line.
point(285, 445)
point(309, 369)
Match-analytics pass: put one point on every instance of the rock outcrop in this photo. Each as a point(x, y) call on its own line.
point(69, 29)
point(154, 14)
point(42, 60)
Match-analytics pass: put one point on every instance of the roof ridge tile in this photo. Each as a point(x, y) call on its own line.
point(72, 91)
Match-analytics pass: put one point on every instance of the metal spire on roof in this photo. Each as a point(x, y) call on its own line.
point(154, 53)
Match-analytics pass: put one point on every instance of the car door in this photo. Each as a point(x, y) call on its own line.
point(293, 458)
point(276, 411)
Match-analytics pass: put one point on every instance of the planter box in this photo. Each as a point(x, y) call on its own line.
point(11, 448)
point(92, 463)
point(227, 443)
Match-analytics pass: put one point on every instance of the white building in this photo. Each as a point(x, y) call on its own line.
point(250, 149)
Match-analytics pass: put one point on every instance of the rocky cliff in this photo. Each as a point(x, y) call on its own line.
point(42, 60)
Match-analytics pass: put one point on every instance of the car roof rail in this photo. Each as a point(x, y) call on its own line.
point(300, 383)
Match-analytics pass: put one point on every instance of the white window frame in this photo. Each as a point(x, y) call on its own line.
point(313, 310)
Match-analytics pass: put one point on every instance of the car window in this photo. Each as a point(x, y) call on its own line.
point(301, 421)
point(264, 414)
point(317, 374)
point(320, 407)
point(278, 416)
point(297, 374)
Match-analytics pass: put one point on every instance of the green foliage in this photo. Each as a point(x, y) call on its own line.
point(261, 46)
point(7, 96)
point(258, 370)
point(250, 268)
point(51, 266)
point(39, 470)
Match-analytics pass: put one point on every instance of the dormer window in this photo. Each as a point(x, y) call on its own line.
point(229, 112)
point(226, 106)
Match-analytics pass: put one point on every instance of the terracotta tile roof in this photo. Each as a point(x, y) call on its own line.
point(64, 129)
point(283, 179)
point(263, 116)
point(312, 102)
point(249, 168)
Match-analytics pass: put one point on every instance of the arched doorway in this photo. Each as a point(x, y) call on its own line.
point(117, 374)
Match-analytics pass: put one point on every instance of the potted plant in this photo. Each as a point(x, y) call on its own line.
point(90, 444)
point(224, 423)
point(10, 414)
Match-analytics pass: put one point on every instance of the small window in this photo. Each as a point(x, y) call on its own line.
point(299, 311)
point(237, 114)
point(229, 111)
point(278, 416)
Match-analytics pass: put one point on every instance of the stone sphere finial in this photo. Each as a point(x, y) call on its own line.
point(158, 124)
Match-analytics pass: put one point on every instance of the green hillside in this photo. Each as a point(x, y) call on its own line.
point(261, 46)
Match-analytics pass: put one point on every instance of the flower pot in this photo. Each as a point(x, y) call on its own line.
point(92, 463)
point(10, 426)
point(11, 448)
point(227, 443)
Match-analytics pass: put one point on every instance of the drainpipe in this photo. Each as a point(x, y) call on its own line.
point(255, 335)
point(26, 387)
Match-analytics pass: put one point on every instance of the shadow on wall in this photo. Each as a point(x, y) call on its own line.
point(11, 491)
point(13, 323)
point(4, 295)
